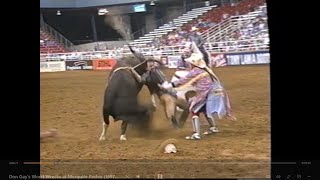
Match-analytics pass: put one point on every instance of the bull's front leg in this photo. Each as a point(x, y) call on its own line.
point(182, 110)
point(153, 100)
point(124, 126)
point(170, 109)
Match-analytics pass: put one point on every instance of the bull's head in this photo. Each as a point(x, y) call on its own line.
point(146, 64)
point(142, 58)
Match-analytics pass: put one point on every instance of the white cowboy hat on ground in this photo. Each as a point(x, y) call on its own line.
point(168, 146)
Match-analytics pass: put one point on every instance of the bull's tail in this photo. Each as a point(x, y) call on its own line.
point(106, 116)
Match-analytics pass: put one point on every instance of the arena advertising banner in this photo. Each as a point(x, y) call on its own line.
point(79, 65)
point(53, 66)
point(233, 59)
point(103, 64)
point(173, 61)
point(218, 60)
point(248, 58)
point(263, 58)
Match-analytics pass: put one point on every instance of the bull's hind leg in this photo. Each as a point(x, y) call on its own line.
point(104, 131)
point(124, 126)
point(105, 125)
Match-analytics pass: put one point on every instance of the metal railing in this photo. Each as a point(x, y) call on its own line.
point(56, 35)
point(217, 47)
point(238, 45)
point(202, 4)
point(226, 27)
point(216, 30)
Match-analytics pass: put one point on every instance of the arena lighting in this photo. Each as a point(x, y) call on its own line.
point(58, 13)
point(102, 11)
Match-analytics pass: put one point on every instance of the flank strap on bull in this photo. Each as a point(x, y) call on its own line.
point(116, 70)
point(126, 68)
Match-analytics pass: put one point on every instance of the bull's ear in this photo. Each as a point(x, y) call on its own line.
point(138, 55)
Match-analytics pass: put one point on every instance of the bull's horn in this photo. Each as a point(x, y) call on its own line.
point(138, 55)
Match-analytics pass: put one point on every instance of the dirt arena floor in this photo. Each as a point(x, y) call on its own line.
point(71, 103)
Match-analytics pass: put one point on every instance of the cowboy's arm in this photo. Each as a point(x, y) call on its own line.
point(140, 79)
point(192, 74)
point(169, 85)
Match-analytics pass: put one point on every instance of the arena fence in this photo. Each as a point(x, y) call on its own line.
point(170, 61)
point(256, 44)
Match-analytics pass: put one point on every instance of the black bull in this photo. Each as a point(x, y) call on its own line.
point(120, 99)
point(121, 96)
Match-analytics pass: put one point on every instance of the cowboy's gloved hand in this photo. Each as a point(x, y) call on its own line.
point(166, 85)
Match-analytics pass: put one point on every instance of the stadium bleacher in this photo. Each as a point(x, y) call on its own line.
point(246, 29)
point(49, 45)
point(219, 14)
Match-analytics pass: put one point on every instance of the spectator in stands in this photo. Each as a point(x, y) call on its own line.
point(225, 16)
point(196, 37)
point(188, 43)
point(156, 42)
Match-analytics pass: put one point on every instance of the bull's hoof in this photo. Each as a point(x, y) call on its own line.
point(175, 124)
point(181, 124)
point(154, 105)
point(123, 138)
point(154, 108)
point(102, 138)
